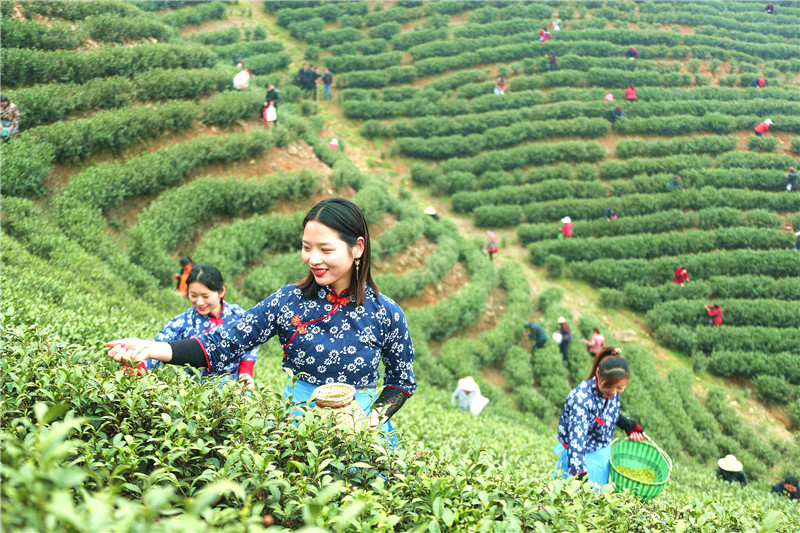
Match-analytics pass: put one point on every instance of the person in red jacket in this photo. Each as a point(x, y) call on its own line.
point(543, 35)
point(566, 229)
point(714, 315)
point(180, 277)
point(681, 275)
point(630, 93)
point(763, 127)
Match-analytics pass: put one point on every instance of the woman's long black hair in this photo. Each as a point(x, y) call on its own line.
point(346, 219)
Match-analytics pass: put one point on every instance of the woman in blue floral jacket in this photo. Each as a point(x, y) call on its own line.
point(334, 325)
point(590, 414)
point(206, 293)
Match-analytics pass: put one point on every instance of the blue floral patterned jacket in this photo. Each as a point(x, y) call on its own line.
point(587, 423)
point(190, 324)
point(328, 337)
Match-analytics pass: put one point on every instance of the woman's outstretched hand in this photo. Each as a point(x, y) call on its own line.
point(132, 351)
point(638, 436)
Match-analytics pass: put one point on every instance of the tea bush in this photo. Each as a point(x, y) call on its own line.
point(25, 66)
point(194, 15)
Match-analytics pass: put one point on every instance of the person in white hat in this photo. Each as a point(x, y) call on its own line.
point(730, 470)
point(797, 244)
point(467, 396)
point(242, 80)
point(762, 128)
point(566, 229)
point(431, 212)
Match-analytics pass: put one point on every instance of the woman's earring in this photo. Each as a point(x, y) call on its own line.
point(358, 264)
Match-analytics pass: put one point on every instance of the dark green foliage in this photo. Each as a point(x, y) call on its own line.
point(22, 66)
point(31, 34)
point(111, 28)
point(554, 265)
point(196, 14)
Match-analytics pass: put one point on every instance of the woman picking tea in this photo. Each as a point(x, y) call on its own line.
point(334, 325)
point(591, 413)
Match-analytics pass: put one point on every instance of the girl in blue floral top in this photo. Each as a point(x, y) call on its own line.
point(591, 413)
point(334, 325)
point(206, 293)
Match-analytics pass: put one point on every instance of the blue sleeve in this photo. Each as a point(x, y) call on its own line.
point(231, 342)
point(252, 355)
point(398, 353)
point(577, 434)
point(175, 330)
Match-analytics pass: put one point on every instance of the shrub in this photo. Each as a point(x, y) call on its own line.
point(765, 144)
point(194, 15)
point(611, 298)
point(554, 265)
point(774, 389)
point(489, 216)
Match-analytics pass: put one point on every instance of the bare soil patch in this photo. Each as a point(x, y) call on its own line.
point(494, 376)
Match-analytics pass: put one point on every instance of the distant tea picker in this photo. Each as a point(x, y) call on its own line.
point(334, 325)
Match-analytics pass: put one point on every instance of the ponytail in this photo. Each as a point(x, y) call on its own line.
point(610, 367)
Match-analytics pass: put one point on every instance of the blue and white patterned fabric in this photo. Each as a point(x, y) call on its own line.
point(327, 337)
point(190, 324)
point(587, 423)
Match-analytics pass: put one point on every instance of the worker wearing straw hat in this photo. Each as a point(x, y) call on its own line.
point(730, 469)
point(467, 396)
point(591, 412)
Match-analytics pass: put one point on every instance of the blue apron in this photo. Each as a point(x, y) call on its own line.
point(597, 464)
point(365, 397)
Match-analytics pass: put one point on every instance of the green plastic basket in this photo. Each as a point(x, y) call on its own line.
point(639, 454)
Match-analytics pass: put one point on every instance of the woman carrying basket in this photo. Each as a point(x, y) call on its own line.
point(334, 325)
point(590, 414)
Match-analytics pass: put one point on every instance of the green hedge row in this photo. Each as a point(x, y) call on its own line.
point(534, 154)
point(467, 119)
point(231, 248)
point(662, 221)
point(706, 144)
point(160, 84)
point(707, 339)
point(347, 63)
point(196, 14)
point(397, 237)
point(643, 298)
point(468, 201)
point(749, 364)
point(245, 50)
point(55, 35)
point(169, 220)
point(81, 10)
point(377, 78)
point(25, 66)
point(714, 122)
point(616, 273)
point(644, 204)
point(364, 46)
point(652, 245)
point(265, 63)
point(111, 28)
point(104, 185)
point(277, 271)
point(408, 39)
point(111, 130)
point(501, 137)
point(748, 312)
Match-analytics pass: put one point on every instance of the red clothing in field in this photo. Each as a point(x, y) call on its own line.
point(681, 276)
point(761, 128)
point(716, 315)
point(761, 83)
point(566, 231)
point(630, 93)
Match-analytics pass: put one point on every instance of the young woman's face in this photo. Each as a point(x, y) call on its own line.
point(204, 299)
point(612, 390)
point(329, 258)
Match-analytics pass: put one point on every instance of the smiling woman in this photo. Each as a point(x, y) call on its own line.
point(334, 325)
